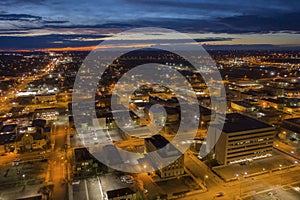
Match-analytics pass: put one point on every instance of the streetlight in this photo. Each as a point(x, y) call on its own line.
point(205, 177)
point(240, 178)
point(202, 122)
point(280, 174)
point(24, 176)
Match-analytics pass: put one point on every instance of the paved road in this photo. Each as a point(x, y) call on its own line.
point(293, 151)
point(248, 186)
point(88, 189)
point(58, 163)
point(5, 104)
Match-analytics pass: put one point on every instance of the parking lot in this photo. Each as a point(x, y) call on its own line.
point(95, 188)
point(21, 179)
point(22, 172)
point(276, 194)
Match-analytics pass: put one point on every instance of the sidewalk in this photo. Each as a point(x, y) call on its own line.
point(277, 162)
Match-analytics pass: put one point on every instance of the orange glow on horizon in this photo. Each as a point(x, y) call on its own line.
point(85, 48)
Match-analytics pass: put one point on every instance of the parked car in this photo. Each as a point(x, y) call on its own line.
point(127, 179)
point(220, 194)
point(76, 182)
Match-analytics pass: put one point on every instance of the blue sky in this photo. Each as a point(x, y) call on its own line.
point(45, 23)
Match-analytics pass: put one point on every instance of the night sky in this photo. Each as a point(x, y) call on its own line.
point(38, 24)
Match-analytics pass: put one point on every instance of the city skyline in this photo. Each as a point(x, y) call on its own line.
point(148, 100)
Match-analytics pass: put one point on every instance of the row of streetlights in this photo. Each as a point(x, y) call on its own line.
point(245, 174)
point(239, 178)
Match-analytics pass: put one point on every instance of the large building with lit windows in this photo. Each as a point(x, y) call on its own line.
point(244, 139)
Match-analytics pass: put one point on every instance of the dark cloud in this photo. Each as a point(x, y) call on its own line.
point(283, 22)
point(48, 41)
point(106, 25)
point(56, 22)
point(20, 2)
point(192, 16)
point(217, 16)
point(261, 24)
point(19, 17)
point(214, 39)
point(61, 40)
point(251, 47)
point(14, 32)
point(26, 17)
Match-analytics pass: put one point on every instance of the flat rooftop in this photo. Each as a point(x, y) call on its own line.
point(160, 142)
point(294, 120)
point(119, 192)
point(8, 128)
point(236, 122)
point(82, 154)
point(277, 101)
point(243, 103)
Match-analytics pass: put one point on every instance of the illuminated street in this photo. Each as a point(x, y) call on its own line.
point(149, 100)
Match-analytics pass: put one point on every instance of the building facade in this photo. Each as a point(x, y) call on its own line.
point(244, 139)
point(121, 194)
point(167, 154)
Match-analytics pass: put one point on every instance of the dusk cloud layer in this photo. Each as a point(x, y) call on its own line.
point(34, 18)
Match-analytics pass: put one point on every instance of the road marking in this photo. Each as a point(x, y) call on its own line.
point(100, 187)
point(108, 135)
point(86, 190)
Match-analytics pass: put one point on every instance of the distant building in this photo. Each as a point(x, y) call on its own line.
point(17, 111)
point(121, 194)
point(268, 102)
point(139, 97)
point(86, 163)
point(242, 106)
point(274, 90)
point(172, 114)
point(287, 105)
point(292, 125)
point(253, 94)
point(7, 137)
point(7, 142)
point(47, 98)
point(244, 139)
point(48, 114)
point(8, 129)
point(163, 99)
point(205, 114)
point(176, 168)
point(106, 100)
point(292, 110)
point(30, 138)
point(107, 118)
point(246, 85)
